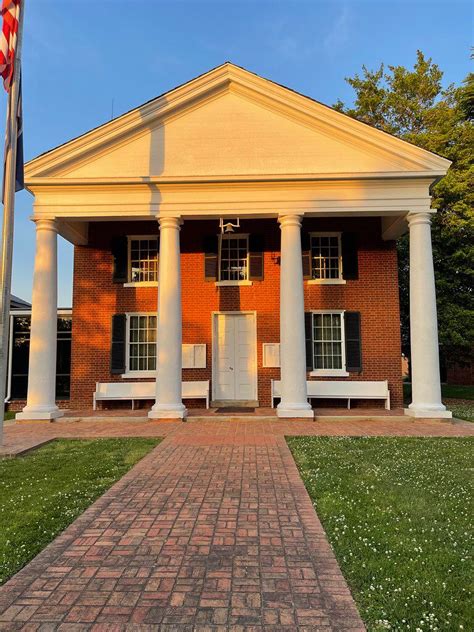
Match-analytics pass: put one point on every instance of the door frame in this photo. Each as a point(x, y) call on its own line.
point(214, 343)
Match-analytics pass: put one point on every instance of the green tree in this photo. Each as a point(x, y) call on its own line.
point(414, 105)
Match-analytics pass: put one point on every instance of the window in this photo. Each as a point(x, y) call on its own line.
point(20, 346)
point(20, 351)
point(328, 342)
point(234, 254)
point(326, 260)
point(63, 359)
point(141, 346)
point(143, 259)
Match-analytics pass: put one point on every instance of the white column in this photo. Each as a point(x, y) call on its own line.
point(426, 387)
point(41, 399)
point(294, 398)
point(169, 337)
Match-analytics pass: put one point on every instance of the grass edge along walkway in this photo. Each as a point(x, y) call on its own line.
point(397, 513)
point(44, 491)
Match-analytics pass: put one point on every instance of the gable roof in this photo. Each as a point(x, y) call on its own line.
point(18, 303)
point(185, 97)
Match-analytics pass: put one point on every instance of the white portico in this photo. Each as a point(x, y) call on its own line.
point(228, 144)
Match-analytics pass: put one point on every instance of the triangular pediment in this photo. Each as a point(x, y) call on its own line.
point(229, 124)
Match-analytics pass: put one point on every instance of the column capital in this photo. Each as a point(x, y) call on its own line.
point(170, 222)
point(290, 220)
point(419, 217)
point(43, 223)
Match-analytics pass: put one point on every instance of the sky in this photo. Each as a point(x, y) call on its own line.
point(86, 59)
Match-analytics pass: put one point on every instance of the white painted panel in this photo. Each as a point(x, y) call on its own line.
point(225, 340)
point(200, 356)
point(244, 358)
point(271, 354)
point(194, 356)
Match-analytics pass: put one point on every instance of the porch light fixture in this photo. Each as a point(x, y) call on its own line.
point(229, 225)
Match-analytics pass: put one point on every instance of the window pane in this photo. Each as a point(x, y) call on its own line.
point(142, 347)
point(327, 339)
point(144, 260)
point(233, 258)
point(325, 257)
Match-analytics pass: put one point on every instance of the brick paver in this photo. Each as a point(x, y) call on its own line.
point(213, 530)
point(24, 436)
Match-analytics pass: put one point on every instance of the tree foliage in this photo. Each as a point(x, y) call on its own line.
point(414, 105)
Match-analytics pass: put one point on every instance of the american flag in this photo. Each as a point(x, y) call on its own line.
point(8, 43)
point(8, 39)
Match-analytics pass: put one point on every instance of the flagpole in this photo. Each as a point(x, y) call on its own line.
point(6, 254)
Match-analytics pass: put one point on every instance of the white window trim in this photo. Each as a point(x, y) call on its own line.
point(339, 280)
point(330, 372)
point(141, 284)
point(241, 282)
point(326, 282)
point(231, 283)
point(128, 373)
point(130, 283)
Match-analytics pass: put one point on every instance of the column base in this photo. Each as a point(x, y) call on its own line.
point(295, 411)
point(421, 412)
point(36, 414)
point(168, 411)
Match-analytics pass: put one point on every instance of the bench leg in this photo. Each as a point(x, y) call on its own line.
point(133, 404)
point(348, 404)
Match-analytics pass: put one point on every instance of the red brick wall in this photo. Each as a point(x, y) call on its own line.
point(460, 373)
point(96, 298)
point(18, 404)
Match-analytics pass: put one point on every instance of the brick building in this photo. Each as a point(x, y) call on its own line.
point(236, 232)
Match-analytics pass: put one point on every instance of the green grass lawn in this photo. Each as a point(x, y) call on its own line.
point(461, 409)
point(42, 492)
point(398, 513)
point(458, 398)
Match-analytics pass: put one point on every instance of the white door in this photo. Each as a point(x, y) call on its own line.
point(235, 366)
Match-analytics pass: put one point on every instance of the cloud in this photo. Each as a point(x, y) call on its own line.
point(338, 35)
point(289, 45)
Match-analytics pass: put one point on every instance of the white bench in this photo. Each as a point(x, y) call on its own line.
point(341, 390)
point(145, 390)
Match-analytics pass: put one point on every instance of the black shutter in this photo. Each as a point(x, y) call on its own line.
point(120, 255)
point(117, 352)
point(308, 334)
point(256, 248)
point(350, 258)
point(353, 341)
point(210, 257)
point(306, 253)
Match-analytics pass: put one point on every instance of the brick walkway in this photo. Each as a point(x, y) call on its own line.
point(24, 436)
point(212, 531)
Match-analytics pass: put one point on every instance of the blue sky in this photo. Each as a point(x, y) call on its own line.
point(80, 55)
